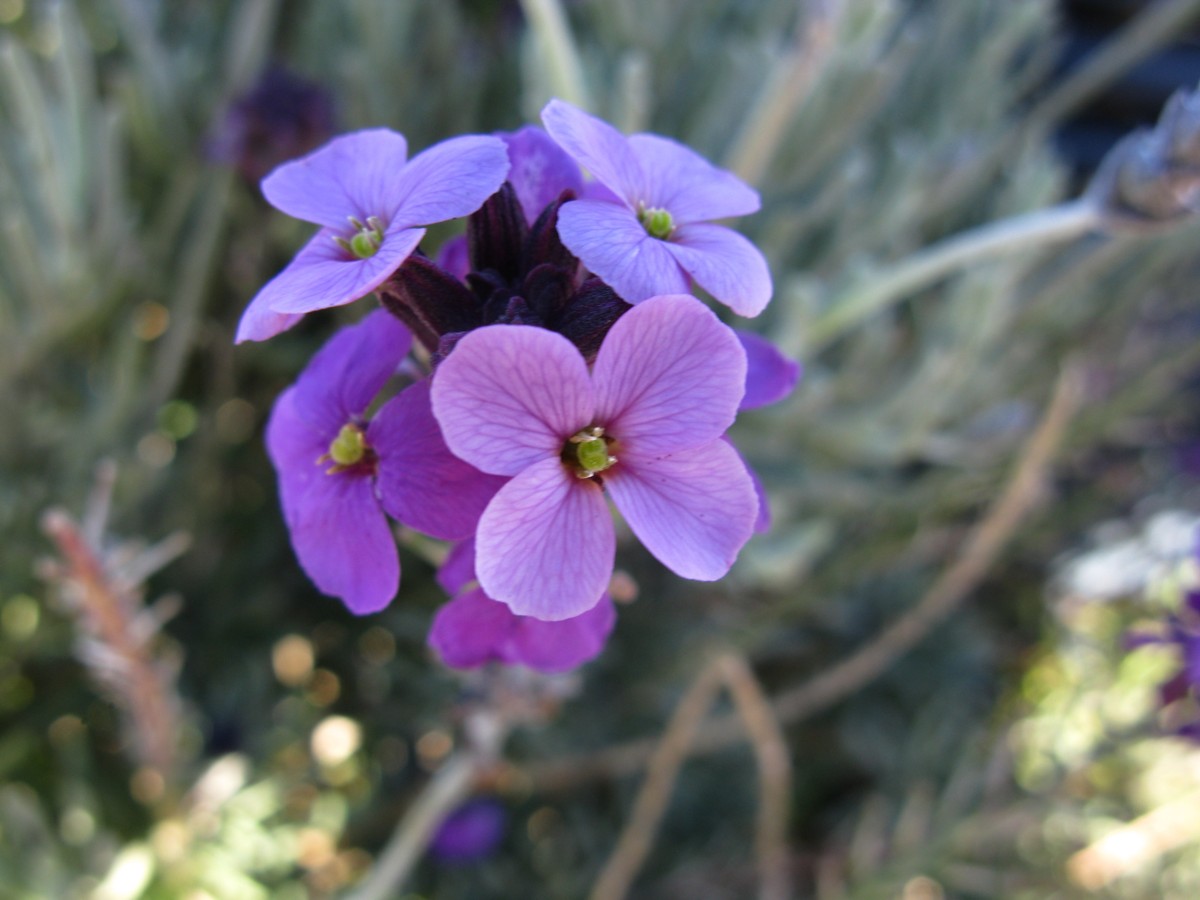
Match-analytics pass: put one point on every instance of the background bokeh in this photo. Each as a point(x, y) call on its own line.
point(991, 760)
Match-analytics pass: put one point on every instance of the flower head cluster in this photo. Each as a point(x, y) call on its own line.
point(559, 363)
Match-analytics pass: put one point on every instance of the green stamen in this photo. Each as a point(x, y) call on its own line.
point(348, 447)
point(588, 452)
point(657, 222)
point(366, 240)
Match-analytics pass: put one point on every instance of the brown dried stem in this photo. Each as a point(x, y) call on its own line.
point(982, 548)
point(774, 769)
point(117, 631)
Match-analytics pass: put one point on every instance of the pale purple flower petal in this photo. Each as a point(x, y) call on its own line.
point(598, 147)
point(346, 177)
point(725, 264)
point(539, 170)
point(687, 185)
point(342, 379)
point(473, 629)
point(510, 395)
point(668, 377)
point(694, 510)
point(421, 483)
point(449, 180)
point(259, 322)
point(323, 275)
point(546, 544)
point(338, 531)
point(770, 376)
point(612, 244)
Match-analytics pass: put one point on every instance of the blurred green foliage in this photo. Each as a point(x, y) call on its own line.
point(128, 253)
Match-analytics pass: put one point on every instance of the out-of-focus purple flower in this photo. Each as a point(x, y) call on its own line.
point(659, 234)
point(1183, 632)
point(371, 203)
point(540, 170)
point(278, 119)
point(473, 629)
point(470, 833)
point(770, 376)
point(645, 426)
point(338, 473)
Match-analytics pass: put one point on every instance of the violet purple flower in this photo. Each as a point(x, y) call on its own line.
point(644, 426)
point(473, 629)
point(338, 474)
point(470, 833)
point(658, 233)
point(371, 205)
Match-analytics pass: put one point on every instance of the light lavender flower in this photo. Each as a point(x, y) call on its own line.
point(656, 231)
point(645, 426)
point(370, 204)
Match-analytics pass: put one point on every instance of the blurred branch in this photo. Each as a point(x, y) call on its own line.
point(784, 91)
point(485, 734)
point(927, 266)
point(550, 29)
point(980, 552)
point(774, 770)
point(449, 787)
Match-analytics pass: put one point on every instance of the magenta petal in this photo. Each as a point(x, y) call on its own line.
point(668, 377)
point(473, 629)
point(323, 275)
point(338, 530)
point(510, 395)
point(612, 244)
point(450, 179)
point(540, 171)
point(598, 147)
point(458, 569)
point(546, 544)
point(693, 510)
point(725, 264)
point(687, 185)
point(342, 379)
point(561, 646)
point(770, 376)
point(349, 176)
point(421, 483)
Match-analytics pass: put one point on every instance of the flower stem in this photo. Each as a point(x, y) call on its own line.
point(927, 266)
point(565, 73)
point(449, 787)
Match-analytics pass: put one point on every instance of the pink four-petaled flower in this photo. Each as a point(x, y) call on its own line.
point(644, 427)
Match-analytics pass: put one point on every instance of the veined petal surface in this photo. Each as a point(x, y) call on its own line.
point(725, 264)
point(668, 377)
point(546, 544)
point(687, 185)
point(349, 176)
point(448, 180)
point(612, 243)
point(598, 147)
point(510, 395)
point(694, 510)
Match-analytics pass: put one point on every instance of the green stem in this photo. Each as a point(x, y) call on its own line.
point(925, 267)
point(549, 26)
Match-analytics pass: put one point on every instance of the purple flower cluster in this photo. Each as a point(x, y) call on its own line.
point(551, 360)
point(1180, 694)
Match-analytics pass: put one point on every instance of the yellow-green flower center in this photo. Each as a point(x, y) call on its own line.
point(349, 447)
point(657, 222)
point(366, 240)
point(587, 452)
